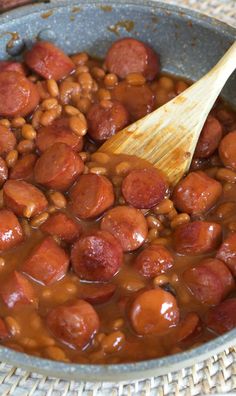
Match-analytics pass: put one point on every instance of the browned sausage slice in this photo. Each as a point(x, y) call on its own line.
point(227, 252)
point(62, 226)
point(19, 195)
point(11, 233)
point(144, 188)
point(210, 281)
point(97, 256)
point(187, 326)
point(58, 132)
point(196, 193)
point(97, 294)
point(209, 139)
point(74, 324)
point(128, 225)
point(48, 61)
point(58, 167)
point(154, 312)
point(91, 196)
point(47, 263)
point(4, 333)
point(3, 171)
point(138, 100)
point(153, 261)
point(129, 55)
point(7, 140)
point(227, 150)
point(17, 290)
point(18, 95)
point(12, 66)
point(197, 237)
point(24, 168)
point(222, 318)
point(104, 122)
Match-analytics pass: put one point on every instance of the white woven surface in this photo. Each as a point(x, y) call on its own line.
point(216, 375)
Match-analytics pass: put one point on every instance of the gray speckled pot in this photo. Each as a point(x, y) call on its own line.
point(189, 44)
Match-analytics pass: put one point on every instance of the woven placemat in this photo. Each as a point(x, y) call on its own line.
point(216, 375)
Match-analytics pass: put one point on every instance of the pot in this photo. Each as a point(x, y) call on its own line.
point(189, 44)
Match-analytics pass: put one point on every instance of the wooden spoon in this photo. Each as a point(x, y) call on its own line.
point(167, 137)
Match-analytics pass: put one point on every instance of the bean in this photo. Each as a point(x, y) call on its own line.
point(152, 234)
point(56, 353)
point(160, 280)
point(110, 80)
point(46, 293)
point(52, 88)
point(226, 209)
point(25, 146)
point(28, 132)
point(132, 285)
point(78, 124)
point(180, 86)
point(69, 90)
point(106, 104)
point(166, 83)
point(5, 122)
point(2, 262)
point(80, 58)
point(113, 342)
point(161, 97)
point(46, 341)
point(98, 170)
point(103, 94)
point(135, 79)
point(28, 211)
point(172, 214)
point(71, 110)
point(11, 158)
point(164, 207)
point(13, 326)
point(83, 105)
point(85, 156)
point(103, 158)
point(18, 122)
point(26, 227)
point(49, 104)
point(58, 199)
point(160, 241)
point(70, 287)
point(117, 180)
point(48, 116)
point(227, 175)
point(39, 219)
point(117, 324)
point(28, 342)
point(153, 222)
point(35, 321)
point(181, 218)
point(98, 73)
point(86, 81)
point(122, 168)
point(36, 118)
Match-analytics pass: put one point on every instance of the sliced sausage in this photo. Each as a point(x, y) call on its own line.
point(209, 139)
point(11, 233)
point(18, 195)
point(12, 66)
point(97, 256)
point(144, 188)
point(58, 167)
point(3, 171)
point(97, 294)
point(154, 312)
point(227, 150)
point(210, 281)
point(18, 95)
point(91, 196)
point(153, 261)
point(138, 100)
point(73, 324)
point(129, 55)
point(7, 140)
point(62, 226)
point(187, 326)
point(48, 61)
point(128, 225)
point(58, 132)
point(197, 237)
point(17, 290)
point(4, 333)
point(222, 318)
point(196, 193)
point(24, 168)
point(104, 122)
point(227, 252)
point(47, 263)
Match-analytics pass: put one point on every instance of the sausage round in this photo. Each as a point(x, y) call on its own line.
point(222, 318)
point(18, 195)
point(73, 324)
point(154, 312)
point(227, 150)
point(7, 140)
point(197, 237)
point(209, 139)
point(3, 171)
point(11, 233)
point(97, 256)
point(17, 290)
point(62, 226)
point(196, 193)
point(138, 100)
point(129, 55)
point(24, 168)
point(128, 225)
point(48, 61)
point(153, 261)
point(97, 294)
point(210, 281)
point(18, 95)
point(47, 263)
point(91, 196)
point(12, 66)
point(227, 252)
point(58, 167)
point(58, 132)
point(144, 188)
point(105, 122)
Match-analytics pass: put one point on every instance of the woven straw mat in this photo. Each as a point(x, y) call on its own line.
point(216, 375)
